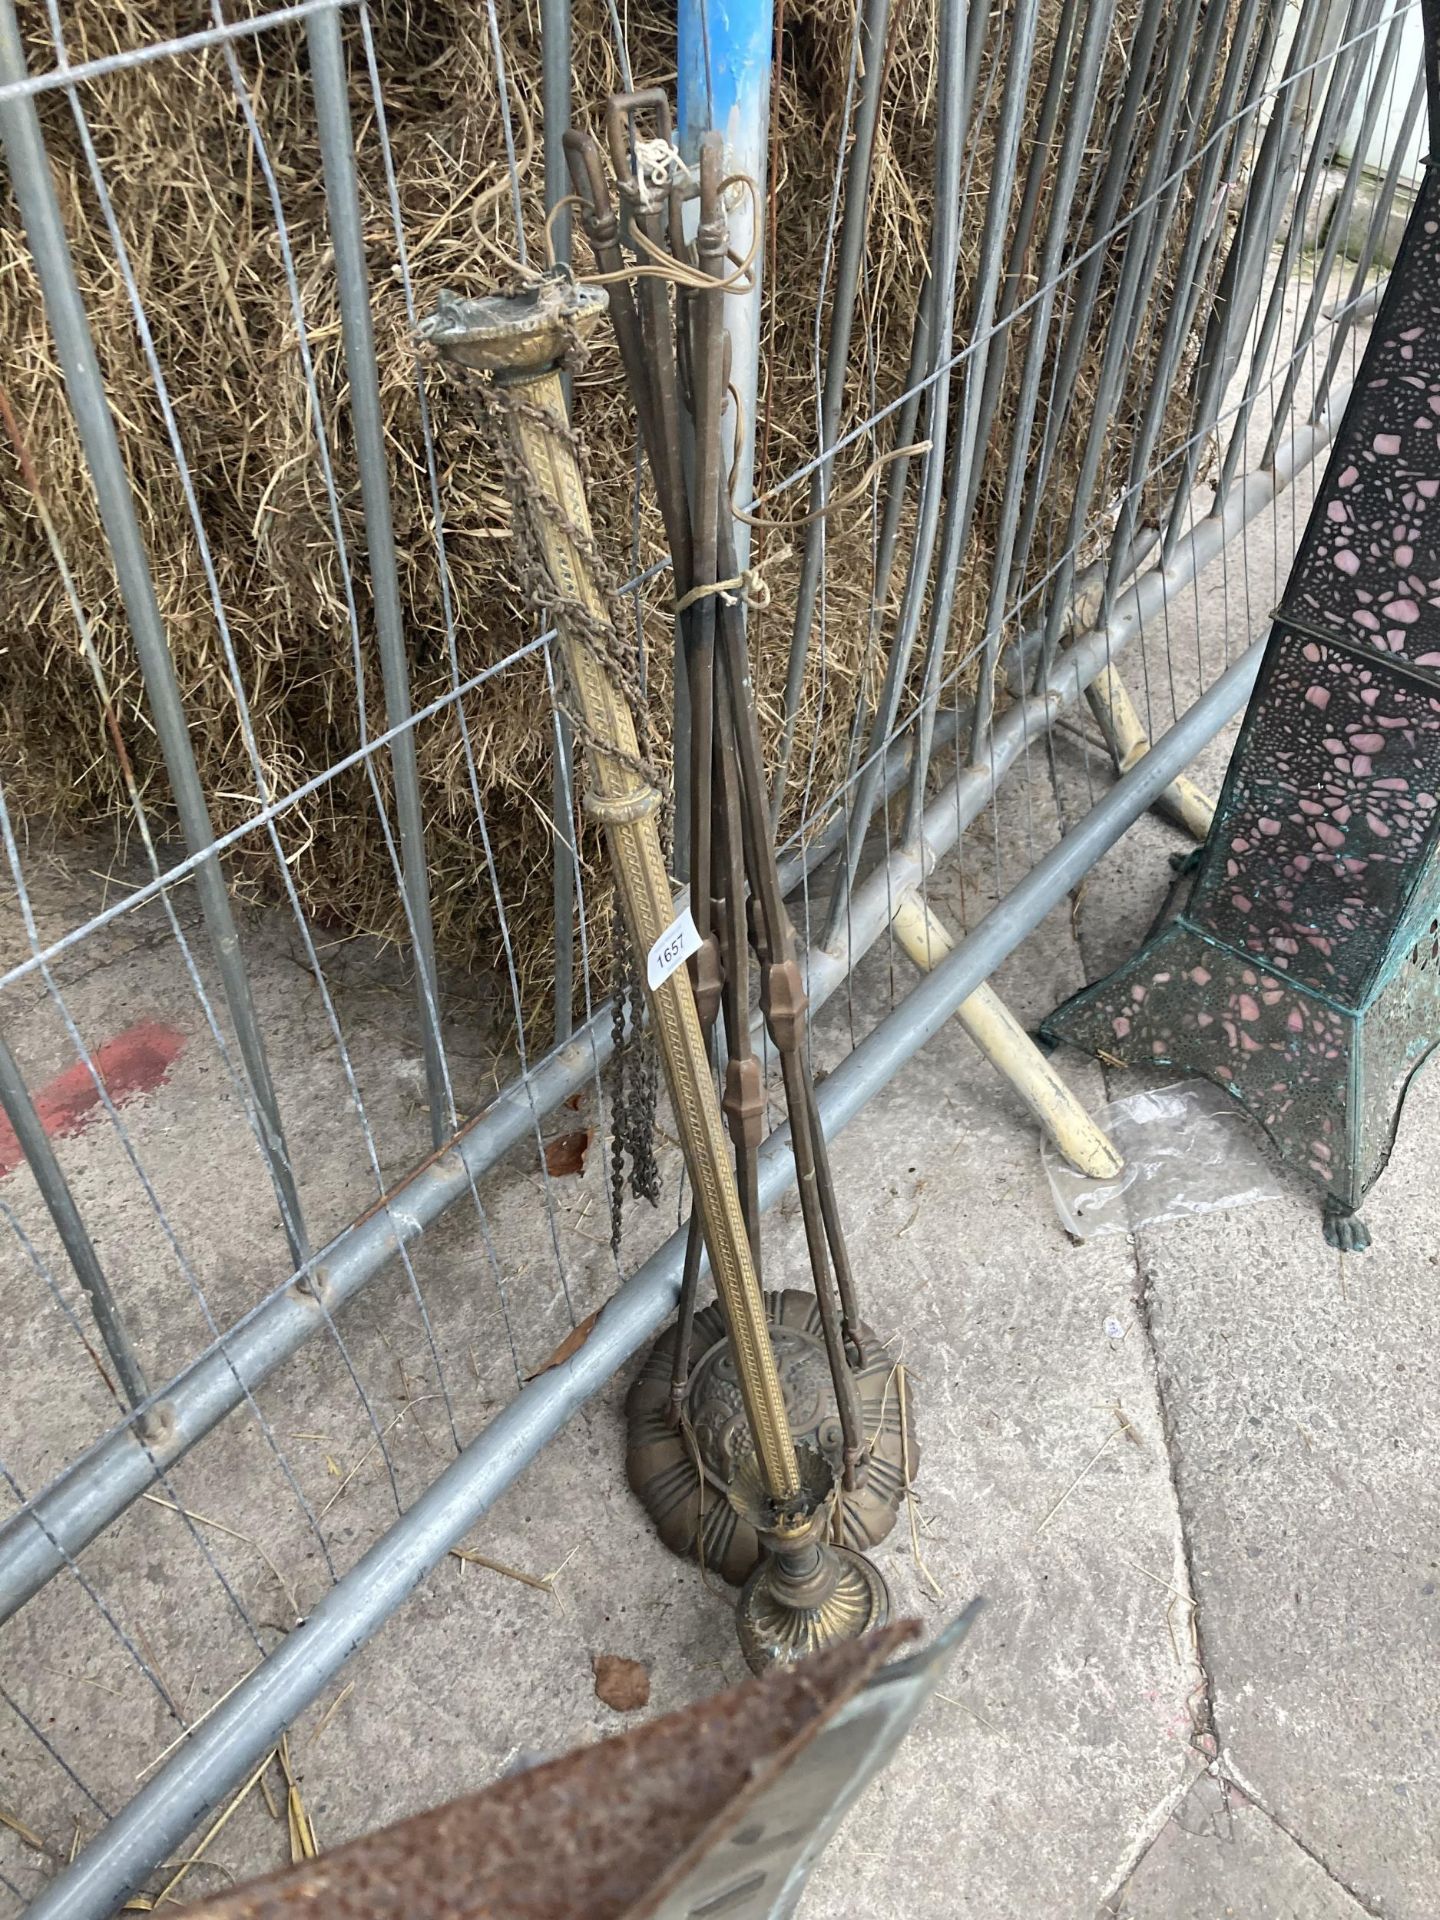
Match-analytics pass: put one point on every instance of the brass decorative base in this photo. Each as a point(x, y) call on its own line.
point(806, 1593)
point(773, 1633)
point(691, 1508)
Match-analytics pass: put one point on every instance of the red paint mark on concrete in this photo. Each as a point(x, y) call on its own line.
point(134, 1062)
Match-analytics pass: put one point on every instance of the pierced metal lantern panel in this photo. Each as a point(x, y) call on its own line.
point(1329, 817)
point(1368, 569)
point(1285, 1053)
point(1397, 1035)
point(1303, 972)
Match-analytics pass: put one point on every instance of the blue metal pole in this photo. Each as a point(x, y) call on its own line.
point(724, 52)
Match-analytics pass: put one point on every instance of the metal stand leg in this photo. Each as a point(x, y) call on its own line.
point(1127, 739)
point(1010, 1049)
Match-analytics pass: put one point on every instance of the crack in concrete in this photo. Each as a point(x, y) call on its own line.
point(1229, 1775)
point(1205, 1738)
point(1200, 1702)
point(1151, 1828)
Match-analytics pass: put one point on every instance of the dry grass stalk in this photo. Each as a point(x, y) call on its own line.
point(542, 1582)
point(233, 1533)
point(27, 1836)
point(211, 1834)
point(1114, 1434)
point(330, 1712)
point(303, 1845)
point(375, 1446)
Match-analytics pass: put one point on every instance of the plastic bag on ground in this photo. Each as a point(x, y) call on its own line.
point(1187, 1148)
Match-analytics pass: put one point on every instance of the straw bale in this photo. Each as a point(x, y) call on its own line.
point(192, 199)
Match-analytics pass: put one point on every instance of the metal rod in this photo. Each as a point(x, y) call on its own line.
point(1345, 75)
point(228, 1745)
point(1144, 245)
point(724, 58)
point(1362, 303)
point(855, 224)
point(1242, 276)
point(60, 1203)
point(944, 254)
point(81, 1502)
point(897, 479)
point(555, 56)
point(744, 1097)
point(1060, 92)
point(660, 420)
point(1139, 52)
point(1083, 96)
point(1378, 85)
point(45, 230)
point(964, 480)
point(352, 282)
point(1246, 65)
point(707, 400)
point(784, 1009)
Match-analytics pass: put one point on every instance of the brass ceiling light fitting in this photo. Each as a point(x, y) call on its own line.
point(845, 1398)
point(806, 1592)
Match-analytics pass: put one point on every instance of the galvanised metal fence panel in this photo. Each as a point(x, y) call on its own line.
point(137, 1330)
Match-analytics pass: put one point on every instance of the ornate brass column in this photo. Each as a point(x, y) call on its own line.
point(519, 340)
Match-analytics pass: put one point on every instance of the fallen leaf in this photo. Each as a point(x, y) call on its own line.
point(620, 1683)
point(566, 1152)
point(572, 1343)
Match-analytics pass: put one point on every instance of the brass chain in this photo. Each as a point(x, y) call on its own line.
point(634, 1085)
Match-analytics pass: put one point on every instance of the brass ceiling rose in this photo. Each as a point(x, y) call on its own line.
point(694, 1511)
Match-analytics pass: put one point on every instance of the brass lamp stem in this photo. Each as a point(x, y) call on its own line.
point(520, 340)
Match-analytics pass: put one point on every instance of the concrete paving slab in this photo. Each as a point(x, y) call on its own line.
point(1297, 1400)
point(1044, 1486)
point(1219, 1857)
point(1044, 1480)
point(1301, 1399)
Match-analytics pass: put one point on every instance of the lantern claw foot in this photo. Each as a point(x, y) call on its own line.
point(1344, 1229)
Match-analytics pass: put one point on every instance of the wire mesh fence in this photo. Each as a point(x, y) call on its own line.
point(308, 1161)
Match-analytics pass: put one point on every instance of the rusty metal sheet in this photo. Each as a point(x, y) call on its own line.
point(724, 1802)
point(754, 1866)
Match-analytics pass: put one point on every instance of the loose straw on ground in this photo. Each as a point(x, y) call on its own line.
point(1114, 1434)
